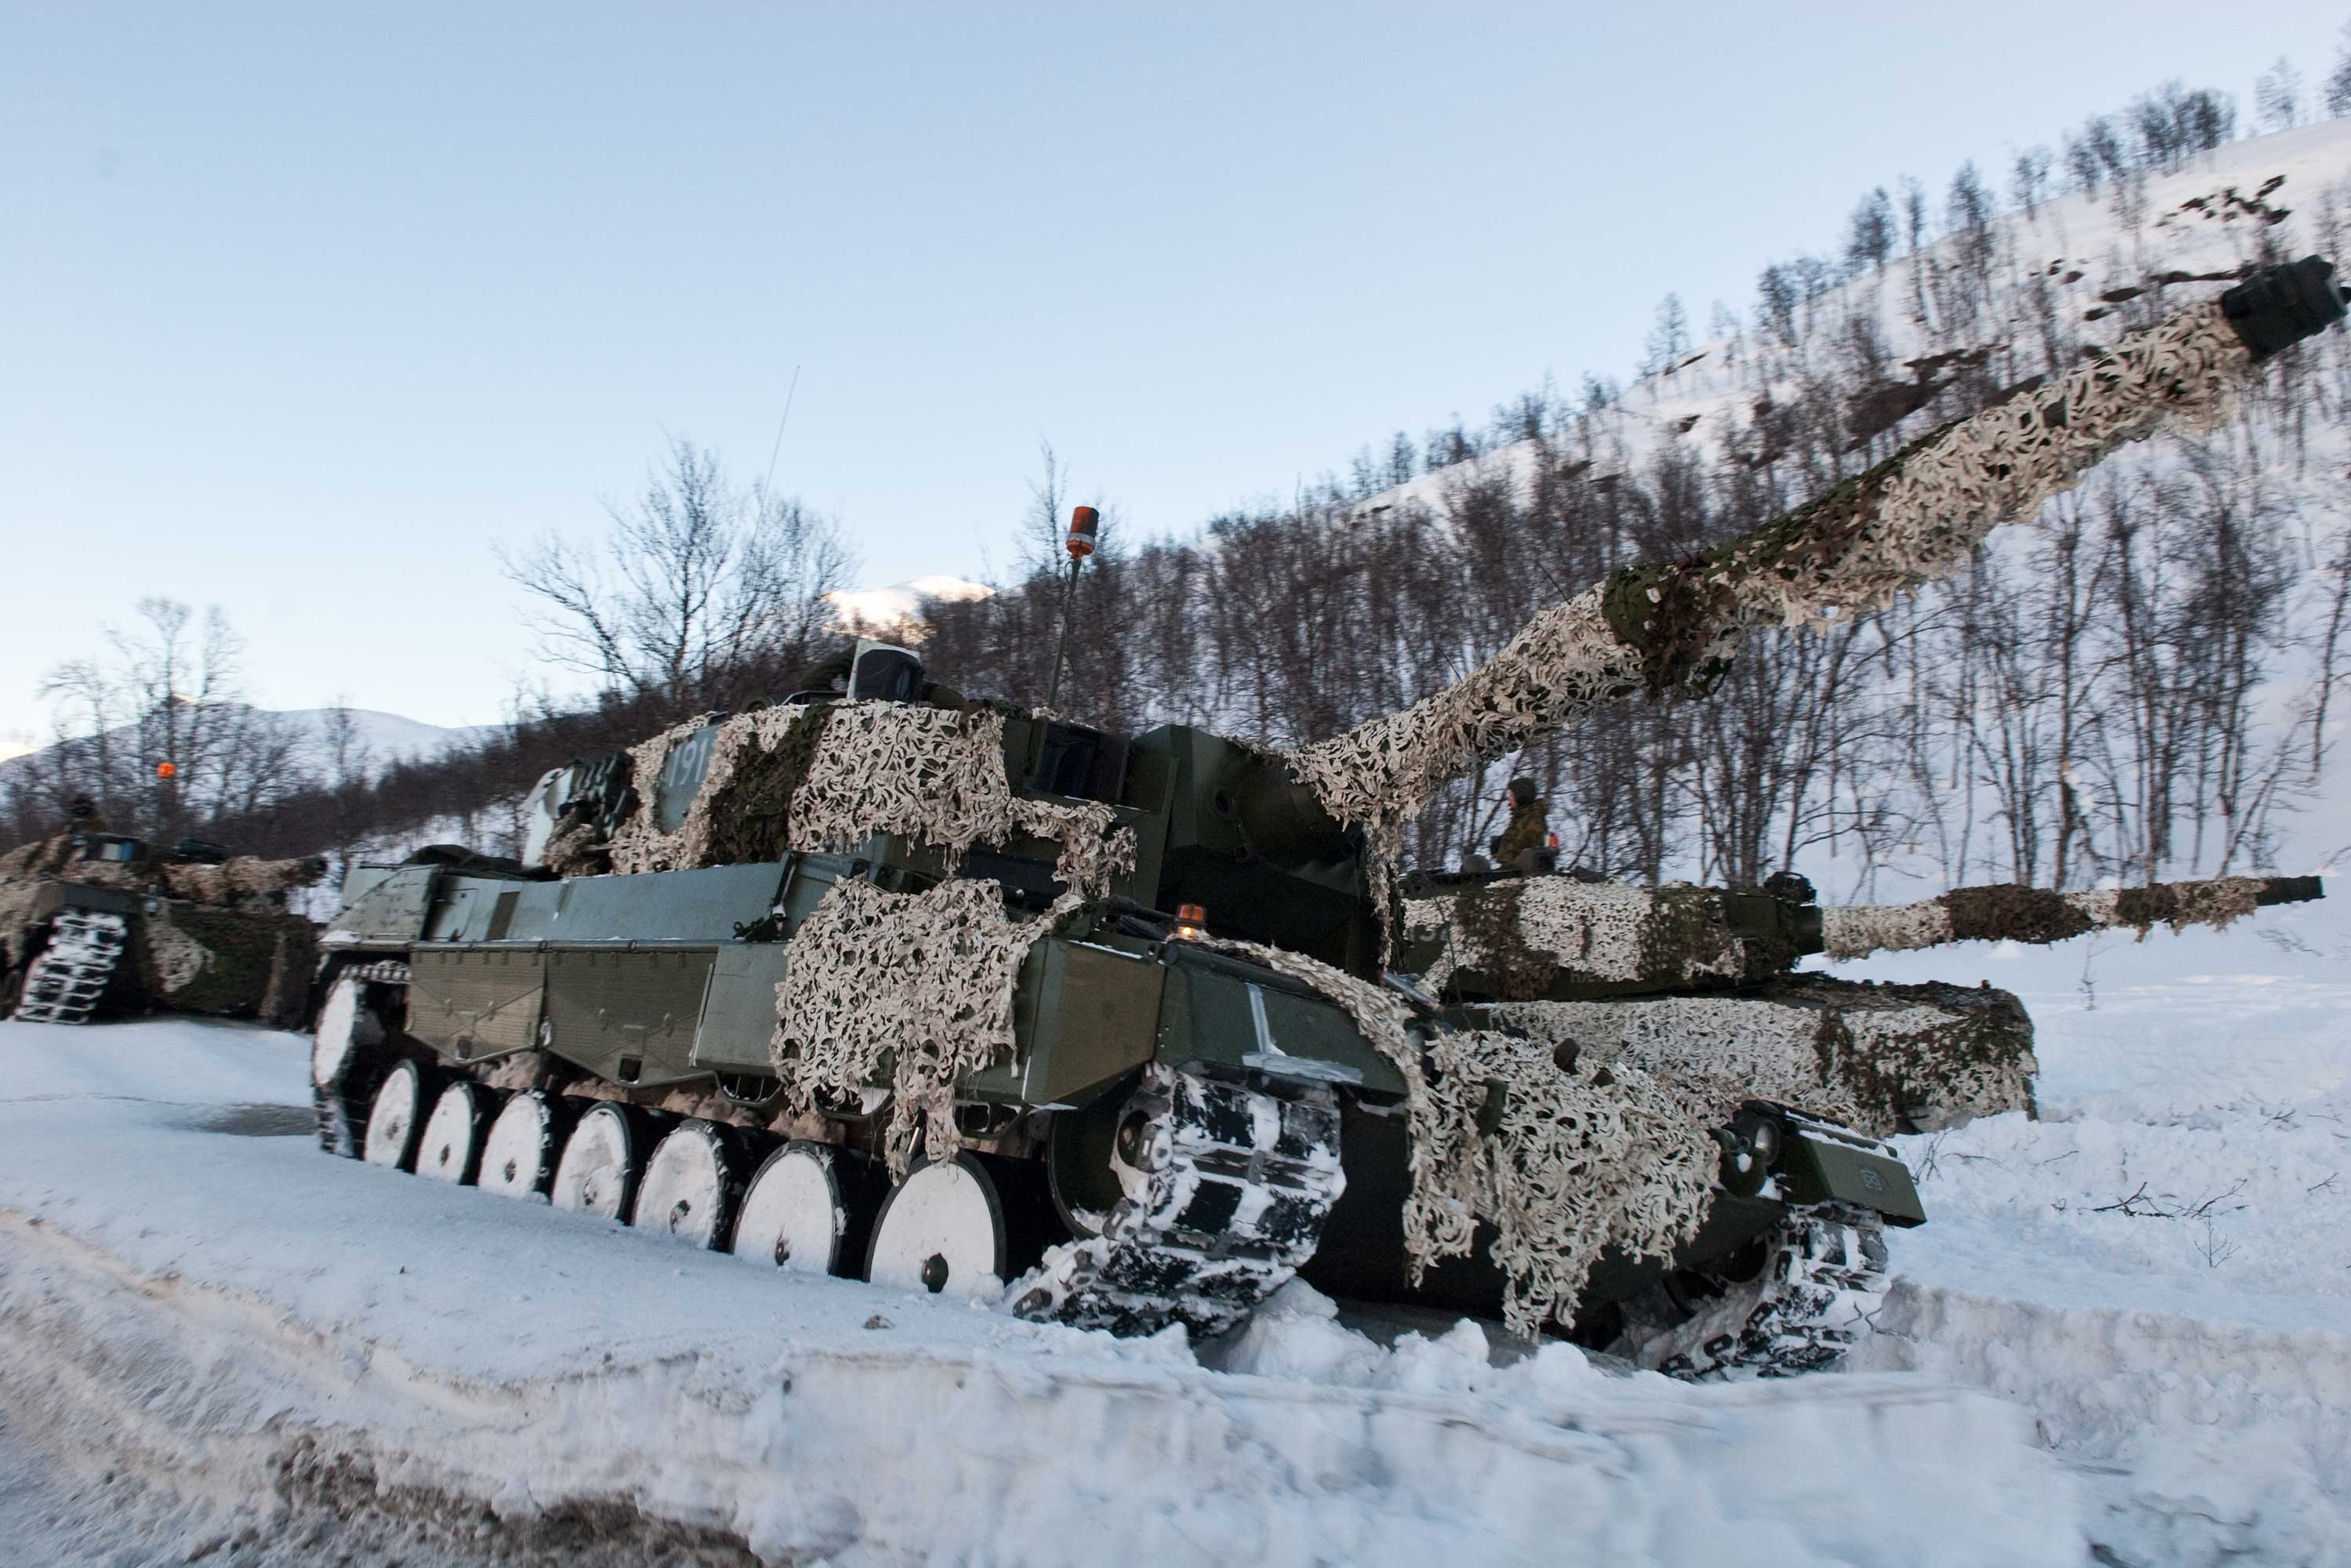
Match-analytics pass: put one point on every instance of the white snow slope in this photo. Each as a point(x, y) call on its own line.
point(205, 1332)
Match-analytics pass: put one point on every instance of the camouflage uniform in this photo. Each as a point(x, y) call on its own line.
point(1529, 828)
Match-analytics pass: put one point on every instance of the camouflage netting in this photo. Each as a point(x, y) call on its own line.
point(16, 912)
point(200, 958)
point(239, 878)
point(1580, 1159)
point(914, 991)
point(1882, 1059)
point(1526, 934)
point(1914, 517)
point(824, 777)
point(22, 870)
point(2005, 912)
point(239, 881)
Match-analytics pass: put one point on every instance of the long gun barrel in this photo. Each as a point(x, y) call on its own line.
point(2007, 913)
point(1520, 938)
point(1912, 519)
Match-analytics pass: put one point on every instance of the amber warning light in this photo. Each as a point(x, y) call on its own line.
point(167, 770)
point(1085, 523)
point(1191, 922)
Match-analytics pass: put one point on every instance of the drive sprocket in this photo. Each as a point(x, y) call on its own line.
point(1227, 1186)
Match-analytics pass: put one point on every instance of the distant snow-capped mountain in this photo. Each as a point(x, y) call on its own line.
point(377, 739)
point(897, 612)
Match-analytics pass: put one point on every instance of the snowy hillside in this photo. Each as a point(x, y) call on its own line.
point(2115, 260)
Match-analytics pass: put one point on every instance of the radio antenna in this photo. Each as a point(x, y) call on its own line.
point(778, 446)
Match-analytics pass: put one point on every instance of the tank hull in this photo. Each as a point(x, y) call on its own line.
point(551, 986)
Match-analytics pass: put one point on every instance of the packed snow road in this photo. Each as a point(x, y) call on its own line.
point(217, 1343)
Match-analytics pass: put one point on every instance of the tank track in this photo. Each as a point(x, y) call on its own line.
point(342, 1105)
point(1823, 1280)
point(68, 976)
point(1228, 1185)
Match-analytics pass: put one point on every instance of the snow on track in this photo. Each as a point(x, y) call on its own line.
point(255, 1336)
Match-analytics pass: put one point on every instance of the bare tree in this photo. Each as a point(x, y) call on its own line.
point(2277, 96)
point(2028, 178)
point(157, 731)
point(1668, 338)
point(700, 591)
point(1869, 233)
point(2338, 79)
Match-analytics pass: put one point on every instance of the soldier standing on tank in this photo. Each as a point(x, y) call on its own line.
point(81, 821)
point(83, 813)
point(1528, 829)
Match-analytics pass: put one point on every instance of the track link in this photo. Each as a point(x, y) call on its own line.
point(1227, 1186)
point(68, 977)
point(1824, 1278)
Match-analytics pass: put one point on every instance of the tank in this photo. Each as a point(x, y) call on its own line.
point(1111, 1029)
point(94, 925)
point(1703, 980)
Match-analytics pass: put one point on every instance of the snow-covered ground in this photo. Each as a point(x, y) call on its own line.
point(2123, 1331)
point(2159, 1268)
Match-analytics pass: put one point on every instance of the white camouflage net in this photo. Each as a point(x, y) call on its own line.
point(239, 879)
point(2035, 915)
point(1577, 1163)
point(914, 991)
point(931, 774)
point(1857, 930)
point(15, 910)
point(1591, 933)
point(1916, 517)
point(1564, 665)
point(175, 959)
point(1876, 1063)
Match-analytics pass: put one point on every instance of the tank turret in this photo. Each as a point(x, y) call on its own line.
point(1702, 982)
point(967, 999)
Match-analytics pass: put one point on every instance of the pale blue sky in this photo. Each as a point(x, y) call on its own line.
point(301, 312)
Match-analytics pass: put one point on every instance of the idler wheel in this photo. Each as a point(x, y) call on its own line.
point(810, 1209)
point(396, 1116)
point(962, 1228)
point(604, 1158)
point(344, 1057)
point(691, 1183)
point(457, 1133)
point(519, 1158)
point(347, 1026)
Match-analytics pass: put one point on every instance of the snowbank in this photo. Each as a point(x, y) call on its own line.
point(2124, 1327)
point(244, 1316)
point(2157, 1269)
